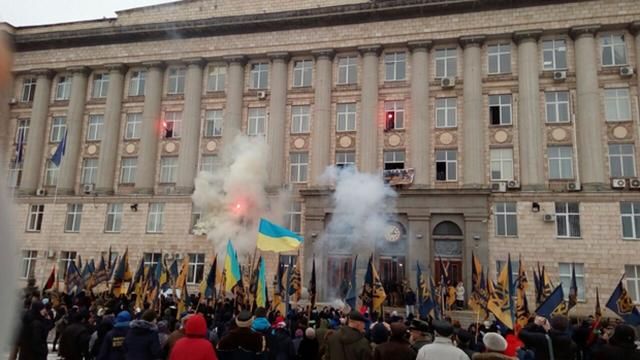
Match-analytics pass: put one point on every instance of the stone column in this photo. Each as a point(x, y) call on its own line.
point(111, 130)
point(591, 153)
point(150, 131)
point(473, 161)
point(34, 153)
point(321, 122)
point(530, 129)
point(75, 118)
point(420, 245)
point(190, 141)
point(235, 92)
point(276, 123)
point(368, 122)
point(420, 142)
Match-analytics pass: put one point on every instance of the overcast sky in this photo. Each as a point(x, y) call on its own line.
point(38, 12)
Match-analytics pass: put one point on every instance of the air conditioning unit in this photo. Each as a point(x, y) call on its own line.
point(262, 95)
point(549, 217)
point(13, 101)
point(88, 188)
point(51, 254)
point(574, 186)
point(618, 183)
point(447, 82)
point(634, 184)
point(513, 184)
point(499, 186)
point(559, 75)
point(626, 71)
point(41, 192)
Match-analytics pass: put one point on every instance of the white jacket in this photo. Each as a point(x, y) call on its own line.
point(441, 349)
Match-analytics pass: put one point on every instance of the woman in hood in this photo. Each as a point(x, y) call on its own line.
point(194, 346)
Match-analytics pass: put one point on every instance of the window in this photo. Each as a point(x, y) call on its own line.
point(622, 160)
point(196, 268)
point(557, 105)
point(630, 214)
point(565, 270)
point(213, 123)
point(150, 260)
point(295, 217)
point(499, 58)
point(58, 128)
point(347, 70)
point(196, 214)
point(446, 112)
point(616, 104)
point(22, 131)
point(216, 78)
point(500, 109)
point(345, 159)
point(446, 165)
point(259, 75)
point(65, 259)
point(209, 163)
point(15, 174)
point(89, 171)
point(168, 169)
point(514, 268)
point(51, 174)
point(300, 119)
point(568, 219)
point(446, 62)
point(128, 170)
point(176, 81)
point(100, 85)
point(614, 50)
point(302, 73)
point(346, 117)
point(28, 90)
point(506, 219)
point(299, 164)
point(63, 88)
point(632, 275)
point(257, 121)
point(29, 263)
point(133, 126)
point(560, 162)
point(393, 160)
point(74, 216)
point(113, 223)
point(94, 130)
point(172, 124)
point(397, 108)
point(110, 260)
point(395, 66)
point(155, 219)
point(501, 164)
point(554, 54)
point(34, 221)
point(136, 83)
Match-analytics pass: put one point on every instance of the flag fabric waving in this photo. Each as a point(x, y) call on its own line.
point(295, 282)
point(522, 304)
point(60, 150)
point(313, 285)
point(51, 280)
point(121, 274)
point(478, 299)
point(261, 291)
point(425, 300)
point(233, 275)
point(551, 303)
point(621, 303)
point(101, 275)
point(74, 279)
point(500, 302)
point(272, 237)
point(351, 294)
point(373, 294)
point(208, 284)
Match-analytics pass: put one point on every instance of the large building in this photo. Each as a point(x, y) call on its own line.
point(512, 129)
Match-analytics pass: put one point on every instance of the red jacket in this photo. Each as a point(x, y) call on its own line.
point(513, 344)
point(194, 346)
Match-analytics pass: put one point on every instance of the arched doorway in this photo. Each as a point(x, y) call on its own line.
point(448, 245)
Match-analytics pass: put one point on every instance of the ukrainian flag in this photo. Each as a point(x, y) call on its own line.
point(261, 293)
point(231, 268)
point(272, 237)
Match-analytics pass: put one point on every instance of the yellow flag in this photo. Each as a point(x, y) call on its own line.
point(500, 302)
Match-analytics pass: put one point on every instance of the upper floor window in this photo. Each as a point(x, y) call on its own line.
point(66, 257)
point(155, 219)
point(209, 163)
point(151, 259)
point(216, 78)
point(614, 50)
point(347, 70)
point(196, 268)
point(346, 113)
point(446, 112)
point(133, 126)
point(137, 83)
point(557, 106)
point(22, 131)
point(89, 171)
point(94, 130)
point(501, 164)
point(176, 81)
point(560, 162)
point(506, 217)
point(128, 170)
point(499, 58)
point(617, 106)
point(295, 217)
point(395, 65)
point(100, 85)
point(446, 64)
point(554, 54)
point(568, 219)
point(299, 163)
point(302, 73)
point(63, 88)
point(74, 216)
point(168, 169)
point(630, 214)
point(300, 119)
point(622, 160)
point(565, 274)
point(446, 165)
point(394, 160)
point(257, 121)
point(632, 275)
point(15, 174)
point(500, 109)
point(29, 258)
point(213, 123)
point(51, 174)
point(345, 159)
point(113, 222)
point(28, 90)
point(259, 75)
point(58, 128)
point(172, 124)
point(34, 219)
point(396, 109)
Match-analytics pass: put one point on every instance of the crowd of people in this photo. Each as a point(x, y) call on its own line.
point(108, 328)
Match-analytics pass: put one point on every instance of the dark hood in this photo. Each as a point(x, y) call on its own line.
point(348, 335)
point(143, 325)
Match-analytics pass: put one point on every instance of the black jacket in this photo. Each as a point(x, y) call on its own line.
point(33, 337)
point(280, 345)
point(113, 344)
point(621, 351)
point(533, 337)
point(74, 343)
point(142, 341)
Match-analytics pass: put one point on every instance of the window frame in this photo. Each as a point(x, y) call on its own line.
point(635, 278)
point(95, 125)
point(395, 65)
point(100, 85)
point(213, 123)
point(57, 129)
point(502, 107)
point(216, 78)
point(127, 171)
point(29, 262)
point(497, 50)
point(168, 170)
point(397, 108)
point(557, 54)
point(445, 111)
point(22, 130)
point(445, 55)
point(633, 217)
point(620, 159)
point(113, 218)
point(89, 171)
point(343, 163)
point(346, 115)
point(294, 216)
point(195, 272)
point(155, 218)
point(65, 257)
point(175, 119)
point(559, 159)
point(580, 280)
point(391, 157)
point(51, 174)
point(63, 88)
point(133, 126)
point(137, 82)
point(302, 73)
point(14, 175)
point(300, 120)
point(622, 103)
point(28, 89)
point(298, 167)
point(257, 121)
point(501, 162)
point(557, 104)
point(505, 211)
point(73, 219)
point(35, 218)
point(176, 77)
point(611, 48)
point(213, 162)
point(151, 259)
point(448, 163)
point(350, 67)
point(259, 73)
point(566, 214)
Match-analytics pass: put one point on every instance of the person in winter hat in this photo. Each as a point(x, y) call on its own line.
point(397, 347)
point(195, 345)
point(242, 337)
point(621, 345)
point(349, 342)
point(495, 345)
point(379, 334)
point(112, 345)
point(142, 342)
point(35, 329)
point(260, 323)
point(309, 346)
point(442, 347)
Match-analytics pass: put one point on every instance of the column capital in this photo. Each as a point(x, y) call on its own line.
point(323, 53)
point(43, 72)
point(235, 59)
point(118, 67)
point(198, 61)
point(420, 45)
point(635, 27)
point(281, 55)
point(370, 49)
point(584, 30)
point(525, 35)
point(155, 63)
point(473, 40)
point(78, 69)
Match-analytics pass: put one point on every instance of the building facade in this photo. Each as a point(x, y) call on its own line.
point(516, 124)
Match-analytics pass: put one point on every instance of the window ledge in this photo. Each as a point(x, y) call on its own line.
point(169, 97)
point(568, 238)
point(353, 86)
point(630, 239)
point(557, 123)
point(507, 236)
point(446, 127)
point(301, 133)
point(61, 102)
point(212, 136)
point(500, 125)
point(301, 89)
point(625, 121)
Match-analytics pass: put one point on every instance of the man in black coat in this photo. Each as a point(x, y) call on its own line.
point(33, 336)
point(74, 343)
point(621, 345)
point(537, 336)
point(142, 341)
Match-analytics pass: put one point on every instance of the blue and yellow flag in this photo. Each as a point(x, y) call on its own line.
point(425, 300)
point(373, 294)
point(261, 292)
point(233, 275)
point(208, 284)
point(351, 294)
point(551, 303)
point(621, 303)
point(272, 237)
point(74, 279)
